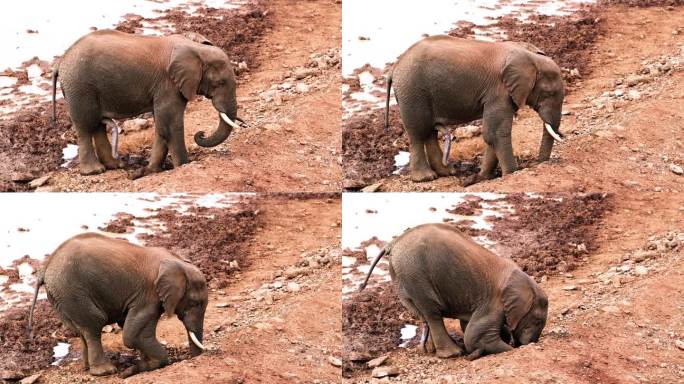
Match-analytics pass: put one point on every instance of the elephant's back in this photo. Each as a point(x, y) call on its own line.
point(447, 260)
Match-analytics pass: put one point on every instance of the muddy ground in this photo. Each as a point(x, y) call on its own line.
point(287, 57)
point(612, 94)
point(373, 318)
point(261, 307)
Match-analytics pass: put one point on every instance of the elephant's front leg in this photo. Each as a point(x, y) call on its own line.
point(483, 335)
point(497, 126)
point(168, 115)
point(140, 333)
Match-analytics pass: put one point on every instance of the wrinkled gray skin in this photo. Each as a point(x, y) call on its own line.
point(92, 280)
point(114, 75)
point(439, 272)
point(443, 80)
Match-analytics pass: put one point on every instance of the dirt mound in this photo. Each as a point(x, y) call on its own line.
point(367, 150)
point(30, 146)
point(233, 30)
point(549, 235)
point(371, 324)
point(566, 39)
point(19, 353)
point(122, 223)
point(211, 238)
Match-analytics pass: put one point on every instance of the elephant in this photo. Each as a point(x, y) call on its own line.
point(109, 74)
point(93, 280)
point(444, 80)
point(440, 272)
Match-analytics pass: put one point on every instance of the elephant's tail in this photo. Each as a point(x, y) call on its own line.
point(387, 101)
point(55, 74)
point(373, 264)
point(39, 283)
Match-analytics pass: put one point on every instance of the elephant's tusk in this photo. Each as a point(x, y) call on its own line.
point(228, 120)
point(552, 133)
point(195, 341)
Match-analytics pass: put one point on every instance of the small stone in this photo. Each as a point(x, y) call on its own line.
point(11, 375)
point(570, 288)
point(381, 372)
point(641, 270)
point(107, 328)
point(676, 169)
point(680, 344)
point(611, 309)
point(377, 362)
point(222, 304)
point(334, 361)
point(633, 94)
point(302, 88)
point(39, 182)
point(31, 379)
point(371, 188)
point(293, 287)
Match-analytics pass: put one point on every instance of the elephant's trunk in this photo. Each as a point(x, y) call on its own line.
point(219, 136)
point(194, 325)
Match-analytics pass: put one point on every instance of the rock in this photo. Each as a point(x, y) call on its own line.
point(302, 88)
point(680, 344)
point(641, 270)
point(222, 304)
point(137, 124)
point(293, 287)
point(371, 188)
point(39, 182)
point(381, 372)
point(676, 169)
point(107, 328)
point(633, 94)
point(570, 288)
point(611, 309)
point(377, 362)
point(619, 92)
point(11, 375)
point(31, 379)
point(334, 361)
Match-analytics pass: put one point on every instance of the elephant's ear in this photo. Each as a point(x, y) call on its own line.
point(185, 69)
point(170, 284)
point(519, 74)
point(517, 297)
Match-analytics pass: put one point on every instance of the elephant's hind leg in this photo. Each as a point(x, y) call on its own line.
point(85, 116)
point(98, 363)
point(435, 156)
point(104, 148)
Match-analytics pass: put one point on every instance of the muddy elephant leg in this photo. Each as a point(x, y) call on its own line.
point(140, 333)
point(483, 335)
point(104, 148)
point(85, 116)
point(418, 127)
point(489, 163)
point(435, 154)
point(445, 347)
point(496, 131)
point(545, 147)
point(84, 353)
point(88, 162)
point(168, 118)
point(98, 363)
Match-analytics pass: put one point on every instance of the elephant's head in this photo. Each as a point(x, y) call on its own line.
point(535, 80)
point(182, 290)
point(525, 308)
point(202, 69)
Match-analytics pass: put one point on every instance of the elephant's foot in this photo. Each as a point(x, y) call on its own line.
point(474, 179)
point(446, 170)
point(103, 369)
point(92, 168)
point(452, 350)
point(423, 175)
point(114, 164)
point(476, 354)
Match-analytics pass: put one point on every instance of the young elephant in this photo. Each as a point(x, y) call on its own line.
point(113, 75)
point(93, 280)
point(443, 80)
point(439, 272)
